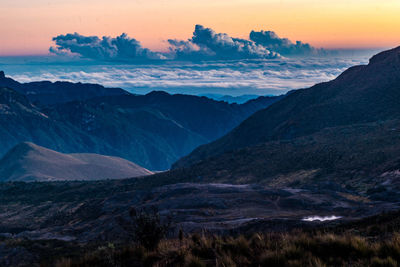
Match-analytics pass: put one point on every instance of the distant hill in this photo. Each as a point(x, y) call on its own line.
point(362, 94)
point(28, 162)
point(153, 130)
point(231, 99)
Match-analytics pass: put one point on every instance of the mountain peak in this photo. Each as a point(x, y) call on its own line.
point(2, 75)
point(26, 146)
point(21, 150)
point(391, 56)
point(158, 93)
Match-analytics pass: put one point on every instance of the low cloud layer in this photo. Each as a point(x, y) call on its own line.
point(231, 77)
point(205, 44)
point(121, 48)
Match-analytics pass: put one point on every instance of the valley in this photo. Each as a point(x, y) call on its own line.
point(152, 130)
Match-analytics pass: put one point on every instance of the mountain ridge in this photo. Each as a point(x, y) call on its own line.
point(48, 93)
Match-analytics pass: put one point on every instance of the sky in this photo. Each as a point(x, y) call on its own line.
point(208, 47)
point(28, 26)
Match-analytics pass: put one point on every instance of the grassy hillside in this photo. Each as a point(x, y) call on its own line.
point(359, 158)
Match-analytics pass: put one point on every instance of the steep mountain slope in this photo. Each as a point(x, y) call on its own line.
point(59, 92)
point(361, 94)
point(145, 136)
point(156, 129)
point(206, 117)
point(21, 121)
point(29, 162)
point(361, 159)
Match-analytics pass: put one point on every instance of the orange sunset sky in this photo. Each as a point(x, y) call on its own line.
point(27, 26)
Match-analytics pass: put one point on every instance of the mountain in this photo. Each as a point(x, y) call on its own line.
point(143, 135)
point(362, 94)
point(28, 162)
point(59, 92)
point(153, 130)
point(156, 129)
point(204, 116)
point(21, 121)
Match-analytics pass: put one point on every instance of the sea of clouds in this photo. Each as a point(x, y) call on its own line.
point(207, 63)
point(235, 77)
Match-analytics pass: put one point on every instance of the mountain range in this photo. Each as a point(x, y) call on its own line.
point(152, 130)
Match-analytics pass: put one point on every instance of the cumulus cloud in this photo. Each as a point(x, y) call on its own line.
point(188, 50)
point(206, 43)
point(121, 48)
point(270, 40)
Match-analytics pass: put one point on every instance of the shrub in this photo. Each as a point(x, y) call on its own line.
point(149, 230)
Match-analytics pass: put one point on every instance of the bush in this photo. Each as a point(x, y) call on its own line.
point(149, 230)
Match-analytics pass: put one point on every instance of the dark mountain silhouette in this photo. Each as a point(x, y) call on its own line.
point(361, 94)
point(58, 92)
point(29, 162)
point(153, 130)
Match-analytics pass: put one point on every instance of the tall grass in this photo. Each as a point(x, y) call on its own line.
point(288, 249)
